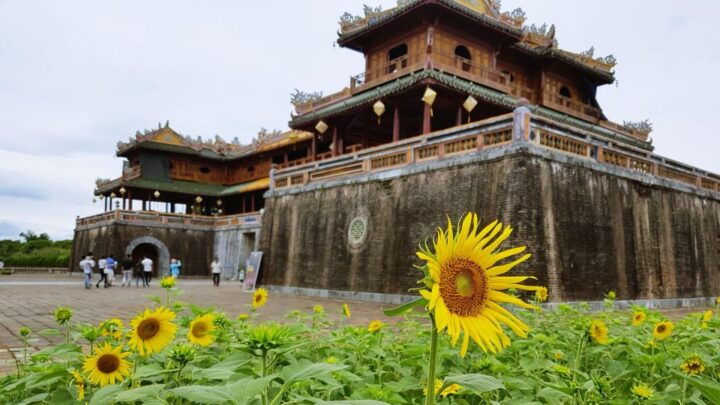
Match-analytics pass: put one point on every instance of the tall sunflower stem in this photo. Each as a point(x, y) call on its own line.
point(578, 354)
point(430, 395)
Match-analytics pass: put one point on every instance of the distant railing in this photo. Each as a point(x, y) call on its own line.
point(573, 107)
point(490, 133)
point(389, 71)
point(151, 217)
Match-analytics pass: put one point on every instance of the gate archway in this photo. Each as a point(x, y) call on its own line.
point(153, 248)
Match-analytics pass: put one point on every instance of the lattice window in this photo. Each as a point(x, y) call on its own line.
point(297, 179)
point(388, 161)
point(709, 184)
point(283, 182)
point(357, 231)
point(615, 158)
point(426, 152)
point(497, 137)
point(563, 144)
point(461, 145)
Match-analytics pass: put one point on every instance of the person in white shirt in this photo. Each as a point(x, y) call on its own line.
point(216, 269)
point(87, 265)
point(147, 264)
point(101, 269)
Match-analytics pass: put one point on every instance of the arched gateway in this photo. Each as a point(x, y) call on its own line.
point(152, 247)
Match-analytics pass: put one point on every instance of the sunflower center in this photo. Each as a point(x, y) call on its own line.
point(463, 287)
point(148, 328)
point(199, 329)
point(661, 328)
point(108, 363)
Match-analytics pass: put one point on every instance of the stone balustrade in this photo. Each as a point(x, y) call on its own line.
point(152, 217)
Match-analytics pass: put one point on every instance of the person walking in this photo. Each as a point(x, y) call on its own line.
point(174, 268)
point(147, 264)
point(110, 270)
point(139, 276)
point(101, 270)
point(216, 269)
point(87, 265)
point(127, 269)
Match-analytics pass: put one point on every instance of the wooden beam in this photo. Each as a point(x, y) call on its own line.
point(396, 124)
point(313, 148)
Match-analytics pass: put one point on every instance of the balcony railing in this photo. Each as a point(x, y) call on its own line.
point(573, 107)
point(151, 217)
point(390, 71)
point(495, 132)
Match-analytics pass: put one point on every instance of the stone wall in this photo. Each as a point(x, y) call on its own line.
point(591, 228)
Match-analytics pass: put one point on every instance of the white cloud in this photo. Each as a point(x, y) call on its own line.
point(77, 76)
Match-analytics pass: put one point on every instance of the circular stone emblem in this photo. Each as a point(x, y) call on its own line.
point(357, 231)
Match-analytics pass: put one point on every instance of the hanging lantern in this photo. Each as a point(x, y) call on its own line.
point(198, 199)
point(379, 109)
point(122, 190)
point(220, 211)
point(94, 200)
point(321, 127)
point(156, 194)
point(429, 98)
point(112, 195)
point(219, 202)
point(469, 105)
point(101, 196)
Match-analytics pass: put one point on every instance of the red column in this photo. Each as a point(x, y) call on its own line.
point(335, 142)
point(341, 145)
point(426, 119)
point(396, 124)
point(252, 202)
point(458, 119)
point(313, 148)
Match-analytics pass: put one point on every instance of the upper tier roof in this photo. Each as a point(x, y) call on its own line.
point(166, 139)
point(540, 40)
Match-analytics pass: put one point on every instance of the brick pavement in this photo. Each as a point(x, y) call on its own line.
point(29, 300)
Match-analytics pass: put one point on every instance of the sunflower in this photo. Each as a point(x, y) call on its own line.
point(243, 317)
point(464, 277)
point(638, 318)
point(79, 384)
point(541, 294)
point(599, 332)
point(107, 366)
point(663, 330)
point(642, 391)
point(152, 330)
point(346, 311)
point(260, 297)
point(319, 309)
point(707, 315)
point(112, 327)
point(202, 330)
point(375, 326)
point(449, 390)
point(167, 282)
point(693, 365)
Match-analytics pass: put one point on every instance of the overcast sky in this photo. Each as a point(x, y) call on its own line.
point(77, 76)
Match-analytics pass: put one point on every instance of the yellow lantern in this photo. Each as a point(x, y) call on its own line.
point(379, 109)
point(321, 127)
point(469, 105)
point(101, 196)
point(122, 190)
point(156, 194)
point(112, 195)
point(219, 202)
point(198, 199)
point(429, 98)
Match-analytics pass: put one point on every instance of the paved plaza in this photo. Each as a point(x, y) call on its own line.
point(29, 300)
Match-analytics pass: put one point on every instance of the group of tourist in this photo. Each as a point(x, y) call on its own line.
point(107, 264)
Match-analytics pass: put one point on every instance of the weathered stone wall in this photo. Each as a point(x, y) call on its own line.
point(591, 229)
point(193, 247)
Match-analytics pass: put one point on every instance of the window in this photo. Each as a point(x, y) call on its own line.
point(204, 170)
point(397, 58)
point(463, 57)
point(565, 92)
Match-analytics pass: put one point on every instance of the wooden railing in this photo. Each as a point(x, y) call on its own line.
point(151, 217)
point(392, 70)
point(492, 133)
point(573, 107)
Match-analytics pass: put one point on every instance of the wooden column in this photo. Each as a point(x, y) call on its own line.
point(335, 142)
point(313, 148)
point(341, 145)
point(252, 202)
point(426, 128)
point(396, 124)
point(458, 119)
point(144, 205)
point(130, 204)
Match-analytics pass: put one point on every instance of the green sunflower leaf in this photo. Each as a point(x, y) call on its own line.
point(420, 302)
point(478, 383)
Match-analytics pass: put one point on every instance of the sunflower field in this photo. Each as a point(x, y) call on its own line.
point(475, 335)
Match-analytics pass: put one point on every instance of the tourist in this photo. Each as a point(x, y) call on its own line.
point(127, 268)
point(110, 270)
point(147, 264)
point(216, 269)
point(87, 265)
point(101, 270)
point(174, 268)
